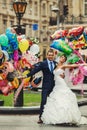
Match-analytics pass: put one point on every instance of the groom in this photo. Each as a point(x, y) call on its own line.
point(47, 67)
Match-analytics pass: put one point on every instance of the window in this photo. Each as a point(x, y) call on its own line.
point(85, 7)
point(36, 8)
point(4, 3)
point(44, 10)
point(11, 4)
point(11, 22)
point(4, 24)
point(30, 8)
point(29, 30)
point(50, 10)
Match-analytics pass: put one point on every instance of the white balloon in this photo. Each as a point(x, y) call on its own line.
point(6, 54)
point(34, 49)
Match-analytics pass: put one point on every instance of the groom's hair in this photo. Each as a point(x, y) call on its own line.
point(50, 51)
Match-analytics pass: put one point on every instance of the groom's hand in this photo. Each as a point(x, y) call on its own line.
point(62, 75)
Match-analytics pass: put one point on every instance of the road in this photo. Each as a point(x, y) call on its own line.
point(26, 122)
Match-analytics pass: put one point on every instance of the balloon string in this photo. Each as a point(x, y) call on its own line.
point(18, 91)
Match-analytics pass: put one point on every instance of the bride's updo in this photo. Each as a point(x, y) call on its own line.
point(63, 58)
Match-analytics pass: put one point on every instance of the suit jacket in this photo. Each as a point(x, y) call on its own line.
point(48, 76)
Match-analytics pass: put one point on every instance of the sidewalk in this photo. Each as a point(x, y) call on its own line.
point(79, 87)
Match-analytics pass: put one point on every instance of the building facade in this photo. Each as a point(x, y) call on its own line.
point(41, 13)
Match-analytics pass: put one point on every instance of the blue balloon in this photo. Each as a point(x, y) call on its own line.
point(12, 37)
point(61, 45)
point(85, 35)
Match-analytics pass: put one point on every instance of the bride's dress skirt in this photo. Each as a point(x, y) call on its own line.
point(61, 106)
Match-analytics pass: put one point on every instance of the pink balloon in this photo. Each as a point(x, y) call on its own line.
point(83, 70)
point(16, 55)
point(3, 83)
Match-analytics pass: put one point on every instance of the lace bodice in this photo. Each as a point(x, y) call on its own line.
point(58, 72)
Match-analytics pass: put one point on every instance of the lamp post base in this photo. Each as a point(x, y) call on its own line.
point(19, 101)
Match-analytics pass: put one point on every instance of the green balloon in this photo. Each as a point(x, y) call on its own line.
point(3, 40)
point(73, 59)
point(65, 47)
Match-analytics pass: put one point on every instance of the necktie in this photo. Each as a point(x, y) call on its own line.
point(51, 66)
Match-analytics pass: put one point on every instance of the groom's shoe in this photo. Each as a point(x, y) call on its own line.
point(40, 121)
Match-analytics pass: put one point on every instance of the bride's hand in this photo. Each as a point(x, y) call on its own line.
point(84, 64)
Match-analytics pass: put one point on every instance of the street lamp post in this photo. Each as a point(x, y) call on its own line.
point(56, 10)
point(19, 8)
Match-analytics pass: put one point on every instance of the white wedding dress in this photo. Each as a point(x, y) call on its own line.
point(61, 106)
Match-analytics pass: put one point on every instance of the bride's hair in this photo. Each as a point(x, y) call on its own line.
point(64, 56)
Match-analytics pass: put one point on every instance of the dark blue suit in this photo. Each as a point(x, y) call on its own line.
point(48, 81)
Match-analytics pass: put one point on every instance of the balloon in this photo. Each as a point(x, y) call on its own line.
point(30, 42)
point(15, 57)
point(2, 58)
point(30, 58)
point(34, 49)
point(15, 83)
point(26, 80)
point(12, 37)
point(80, 43)
point(3, 40)
point(23, 45)
point(76, 31)
point(10, 76)
point(73, 59)
point(34, 40)
point(78, 78)
point(61, 46)
point(7, 89)
point(3, 83)
point(10, 33)
point(59, 34)
point(83, 70)
point(6, 55)
point(8, 66)
point(20, 37)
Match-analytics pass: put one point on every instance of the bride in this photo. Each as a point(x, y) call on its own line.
point(61, 106)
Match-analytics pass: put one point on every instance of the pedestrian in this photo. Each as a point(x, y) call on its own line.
point(47, 66)
point(61, 106)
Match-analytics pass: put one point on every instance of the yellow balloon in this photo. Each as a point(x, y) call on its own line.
point(23, 45)
point(15, 83)
point(25, 72)
point(26, 80)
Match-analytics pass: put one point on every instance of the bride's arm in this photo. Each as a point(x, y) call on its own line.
point(73, 65)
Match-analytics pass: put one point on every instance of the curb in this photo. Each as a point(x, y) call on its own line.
point(29, 110)
point(19, 110)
